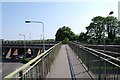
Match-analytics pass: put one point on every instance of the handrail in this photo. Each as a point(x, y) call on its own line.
point(102, 66)
point(11, 75)
point(105, 55)
point(90, 49)
point(116, 59)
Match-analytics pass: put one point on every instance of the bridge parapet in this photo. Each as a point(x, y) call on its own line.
point(23, 49)
point(102, 66)
point(21, 42)
point(37, 67)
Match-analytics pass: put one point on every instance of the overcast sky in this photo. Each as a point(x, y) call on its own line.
point(76, 15)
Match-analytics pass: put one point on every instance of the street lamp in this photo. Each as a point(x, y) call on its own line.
point(43, 30)
point(104, 31)
point(111, 13)
point(24, 42)
point(104, 38)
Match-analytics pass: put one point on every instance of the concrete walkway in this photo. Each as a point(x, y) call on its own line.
point(61, 66)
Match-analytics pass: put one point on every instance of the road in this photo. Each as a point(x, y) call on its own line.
point(8, 67)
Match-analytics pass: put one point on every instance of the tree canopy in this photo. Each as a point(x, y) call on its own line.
point(64, 32)
point(99, 24)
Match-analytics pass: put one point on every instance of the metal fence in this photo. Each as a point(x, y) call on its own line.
point(102, 66)
point(37, 68)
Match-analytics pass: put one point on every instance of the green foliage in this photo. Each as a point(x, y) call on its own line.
point(110, 25)
point(64, 32)
point(25, 60)
point(65, 41)
point(82, 37)
point(50, 40)
point(95, 29)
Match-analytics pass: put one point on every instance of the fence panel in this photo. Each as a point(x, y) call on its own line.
point(103, 67)
point(37, 68)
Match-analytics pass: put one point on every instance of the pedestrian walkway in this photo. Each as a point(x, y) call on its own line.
point(60, 68)
point(67, 64)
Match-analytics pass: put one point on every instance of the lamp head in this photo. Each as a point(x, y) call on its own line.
point(27, 21)
point(111, 13)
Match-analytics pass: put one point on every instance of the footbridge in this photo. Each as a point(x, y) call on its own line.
point(73, 61)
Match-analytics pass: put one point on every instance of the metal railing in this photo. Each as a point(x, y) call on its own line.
point(37, 68)
point(102, 66)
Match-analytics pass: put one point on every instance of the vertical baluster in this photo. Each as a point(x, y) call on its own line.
point(37, 71)
point(24, 77)
point(46, 65)
point(99, 73)
point(43, 68)
point(40, 70)
point(49, 62)
point(20, 75)
point(112, 72)
point(117, 73)
point(30, 73)
point(34, 73)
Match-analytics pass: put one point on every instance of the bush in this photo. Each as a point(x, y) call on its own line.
point(25, 60)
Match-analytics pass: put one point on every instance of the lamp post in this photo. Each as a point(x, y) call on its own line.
point(29, 35)
point(24, 42)
point(43, 30)
point(104, 31)
point(111, 12)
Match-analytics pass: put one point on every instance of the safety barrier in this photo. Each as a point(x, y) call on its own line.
point(37, 68)
point(102, 66)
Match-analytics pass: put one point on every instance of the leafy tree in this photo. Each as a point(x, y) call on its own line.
point(111, 23)
point(99, 24)
point(64, 32)
point(82, 37)
point(75, 37)
point(95, 29)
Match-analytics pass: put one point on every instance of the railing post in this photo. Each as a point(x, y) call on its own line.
point(99, 72)
point(20, 75)
point(43, 68)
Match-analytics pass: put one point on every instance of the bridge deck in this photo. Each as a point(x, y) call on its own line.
point(66, 63)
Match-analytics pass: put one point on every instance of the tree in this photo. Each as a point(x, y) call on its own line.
point(64, 32)
point(82, 37)
point(99, 24)
point(111, 23)
point(95, 29)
